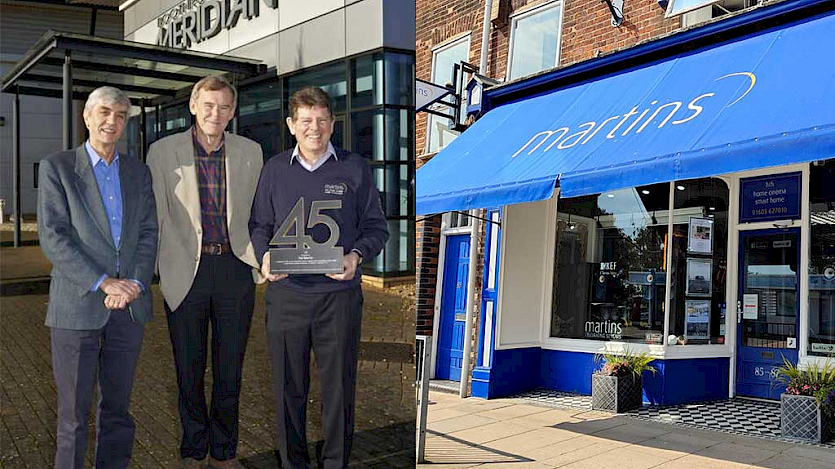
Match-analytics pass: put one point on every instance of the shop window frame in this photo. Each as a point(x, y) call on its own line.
point(659, 351)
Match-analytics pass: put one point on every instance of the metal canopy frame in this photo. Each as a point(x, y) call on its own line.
point(70, 66)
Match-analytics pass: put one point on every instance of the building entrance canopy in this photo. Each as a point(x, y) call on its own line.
point(69, 66)
point(761, 100)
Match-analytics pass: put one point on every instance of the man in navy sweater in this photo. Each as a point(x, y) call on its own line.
point(322, 312)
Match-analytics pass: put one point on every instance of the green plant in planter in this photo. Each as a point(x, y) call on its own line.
point(815, 380)
point(628, 363)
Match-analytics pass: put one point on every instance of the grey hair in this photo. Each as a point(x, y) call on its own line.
point(214, 83)
point(106, 94)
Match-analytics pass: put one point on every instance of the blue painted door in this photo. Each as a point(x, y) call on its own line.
point(453, 308)
point(769, 292)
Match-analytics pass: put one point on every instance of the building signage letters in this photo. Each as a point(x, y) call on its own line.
point(674, 113)
point(603, 330)
point(193, 21)
point(770, 198)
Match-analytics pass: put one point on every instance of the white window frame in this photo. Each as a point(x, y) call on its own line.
point(514, 20)
point(669, 13)
point(443, 46)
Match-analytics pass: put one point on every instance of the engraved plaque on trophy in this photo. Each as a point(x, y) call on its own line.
point(292, 251)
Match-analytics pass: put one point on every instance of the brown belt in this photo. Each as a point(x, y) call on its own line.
point(215, 249)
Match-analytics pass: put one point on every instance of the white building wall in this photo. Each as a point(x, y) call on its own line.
point(522, 293)
point(297, 34)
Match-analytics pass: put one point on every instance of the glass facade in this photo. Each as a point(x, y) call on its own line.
point(374, 116)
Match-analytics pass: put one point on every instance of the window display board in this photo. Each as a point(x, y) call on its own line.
point(698, 277)
point(700, 236)
point(697, 319)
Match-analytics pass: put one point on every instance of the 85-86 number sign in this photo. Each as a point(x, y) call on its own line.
point(293, 251)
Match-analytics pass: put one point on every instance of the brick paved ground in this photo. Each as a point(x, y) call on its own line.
point(385, 396)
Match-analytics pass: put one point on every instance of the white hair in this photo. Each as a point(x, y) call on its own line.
point(106, 94)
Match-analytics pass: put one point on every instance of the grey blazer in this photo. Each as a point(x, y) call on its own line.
point(75, 236)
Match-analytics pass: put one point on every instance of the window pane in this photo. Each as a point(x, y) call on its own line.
point(442, 68)
point(393, 183)
point(367, 84)
point(175, 119)
point(535, 40)
point(367, 136)
point(260, 116)
point(383, 135)
point(609, 276)
point(822, 260)
point(700, 261)
point(331, 78)
point(400, 79)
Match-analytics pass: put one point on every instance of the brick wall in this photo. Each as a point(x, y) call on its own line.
point(586, 33)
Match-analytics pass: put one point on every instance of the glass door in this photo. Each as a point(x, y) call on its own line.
point(769, 306)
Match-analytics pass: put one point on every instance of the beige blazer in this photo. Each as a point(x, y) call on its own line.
point(174, 174)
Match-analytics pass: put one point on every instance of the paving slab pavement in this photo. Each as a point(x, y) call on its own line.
point(510, 434)
point(385, 408)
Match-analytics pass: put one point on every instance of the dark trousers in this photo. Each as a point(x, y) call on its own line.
point(223, 296)
point(79, 359)
point(329, 323)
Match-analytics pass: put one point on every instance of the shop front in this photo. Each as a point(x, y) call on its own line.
point(683, 207)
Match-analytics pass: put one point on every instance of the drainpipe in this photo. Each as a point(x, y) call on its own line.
point(475, 234)
point(485, 37)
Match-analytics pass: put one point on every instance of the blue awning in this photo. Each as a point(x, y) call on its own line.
point(763, 100)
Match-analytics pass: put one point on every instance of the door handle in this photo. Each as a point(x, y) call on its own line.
point(739, 312)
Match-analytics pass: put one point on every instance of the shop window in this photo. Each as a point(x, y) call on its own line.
point(822, 259)
point(609, 266)
point(535, 40)
point(698, 270)
point(444, 58)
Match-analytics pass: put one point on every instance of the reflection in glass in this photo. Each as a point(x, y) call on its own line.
point(609, 276)
point(400, 79)
point(367, 81)
point(331, 78)
point(822, 260)
point(699, 276)
point(535, 40)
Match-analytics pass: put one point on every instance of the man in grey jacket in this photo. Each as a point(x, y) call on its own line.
point(97, 225)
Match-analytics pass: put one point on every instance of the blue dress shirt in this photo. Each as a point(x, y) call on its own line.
point(110, 188)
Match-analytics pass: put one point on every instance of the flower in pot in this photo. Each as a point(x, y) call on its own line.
point(807, 410)
point(616, 386)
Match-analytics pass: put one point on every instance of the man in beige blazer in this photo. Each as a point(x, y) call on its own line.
point(204, 180)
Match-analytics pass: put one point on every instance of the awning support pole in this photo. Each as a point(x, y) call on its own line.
point(16, 164)
point(67, 102)
point(475, 234)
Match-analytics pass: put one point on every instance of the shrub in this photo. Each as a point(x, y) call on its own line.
point(625, 364)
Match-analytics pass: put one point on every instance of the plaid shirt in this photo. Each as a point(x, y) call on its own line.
point(211, 184)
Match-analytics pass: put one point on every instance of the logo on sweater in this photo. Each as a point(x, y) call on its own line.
point(336, 189)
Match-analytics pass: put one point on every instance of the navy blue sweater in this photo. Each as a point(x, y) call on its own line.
point(362, 224)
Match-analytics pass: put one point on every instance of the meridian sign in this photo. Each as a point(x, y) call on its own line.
point(193, 21)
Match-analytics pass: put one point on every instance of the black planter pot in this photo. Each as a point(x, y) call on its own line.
point(616, 394)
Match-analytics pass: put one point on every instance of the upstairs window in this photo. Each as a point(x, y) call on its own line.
point(535, 40)
point(438, 133)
